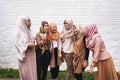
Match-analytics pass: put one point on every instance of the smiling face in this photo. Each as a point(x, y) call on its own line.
point(28, 23)
point(66, 25)
point(53, 27)
point(46, 27)
point(76, 31)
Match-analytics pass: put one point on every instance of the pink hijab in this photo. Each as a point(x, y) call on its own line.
point(91, 32)
point(22, 37)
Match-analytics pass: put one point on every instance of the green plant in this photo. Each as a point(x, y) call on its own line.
point(13, 73)
point(88, 76)
point(9, 73)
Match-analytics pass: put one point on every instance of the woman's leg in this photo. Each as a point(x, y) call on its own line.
point(39, 63)
point(69, 61)
point(78, 76)
point(54, 72)
point(46, 61)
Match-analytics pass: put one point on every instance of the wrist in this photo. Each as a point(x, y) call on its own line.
point(93, 63)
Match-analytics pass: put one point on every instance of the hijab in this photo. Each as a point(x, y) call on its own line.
point(91, 33)
point(68, 33)
point(55, 35)
point(22, 36)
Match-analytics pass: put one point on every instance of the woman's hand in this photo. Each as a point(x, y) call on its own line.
point(91, 69)
point(59, 54)
point(31, 45)
point(43, 41)
point(93, 63)
point(85, 63)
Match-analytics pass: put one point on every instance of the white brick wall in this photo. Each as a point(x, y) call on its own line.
point(105, 13)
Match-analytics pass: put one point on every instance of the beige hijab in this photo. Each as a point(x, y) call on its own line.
point(70, 32)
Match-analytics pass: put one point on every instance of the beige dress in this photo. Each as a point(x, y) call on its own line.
point(27, 68)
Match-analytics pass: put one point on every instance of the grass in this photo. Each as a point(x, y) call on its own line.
point(9, 73)
point(13, 73)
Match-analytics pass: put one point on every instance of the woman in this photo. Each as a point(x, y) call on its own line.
point(25, 46)
point(67, 41)
point(81, 54)
point(56, 57)
point(101, 57)
point(42, 51)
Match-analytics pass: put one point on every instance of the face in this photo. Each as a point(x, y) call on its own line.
point(76, 31)
point(53, 28)
point(81, 30)
point(46, 27)
point(29, 23)
point(66, 25)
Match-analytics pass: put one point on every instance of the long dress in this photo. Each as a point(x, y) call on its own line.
point(26, 56)
point(27, 68)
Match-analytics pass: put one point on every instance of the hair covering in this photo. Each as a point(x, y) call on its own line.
point(43, 23)
point(55, 35)
point(91, 32)
point(70, 32)
point(22, 36)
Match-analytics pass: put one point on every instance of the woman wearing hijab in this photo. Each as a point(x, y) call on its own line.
point(67, 45)
point(42, 50)
point(56, 57)
point(81, 53)
point(101, 57)
point(25, 46)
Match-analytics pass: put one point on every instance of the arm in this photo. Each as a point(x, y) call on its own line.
point(85, 63)
point(21, 44)
point(97, 47)
point(59, 48)
point(39, 40)
point(86, 50)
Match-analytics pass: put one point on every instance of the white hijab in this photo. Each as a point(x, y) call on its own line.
point(22, 37)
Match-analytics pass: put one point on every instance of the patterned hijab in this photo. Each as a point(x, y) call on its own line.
point(91, 33)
